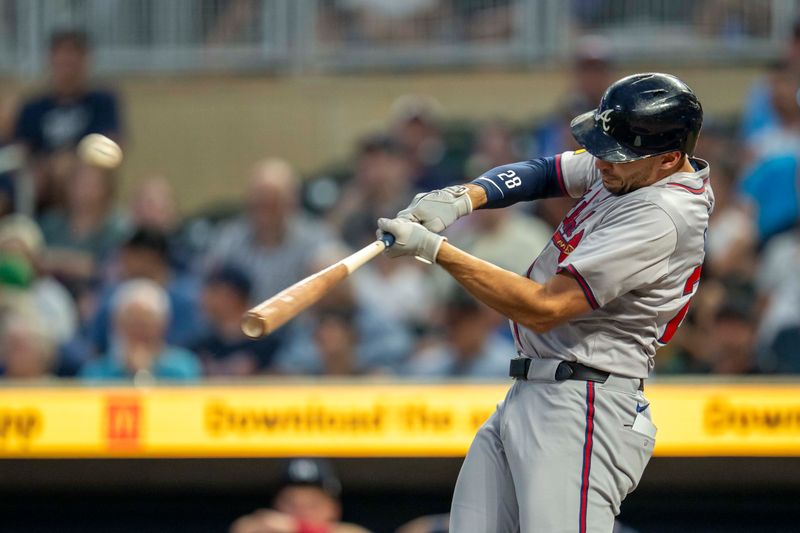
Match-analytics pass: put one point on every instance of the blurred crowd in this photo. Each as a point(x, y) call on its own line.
point(354, 23)
point(100, 289)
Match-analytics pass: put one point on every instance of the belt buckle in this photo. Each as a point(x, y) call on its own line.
point(518, 367)
point(564, 371)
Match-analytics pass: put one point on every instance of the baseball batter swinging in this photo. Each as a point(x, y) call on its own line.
point(574, 433)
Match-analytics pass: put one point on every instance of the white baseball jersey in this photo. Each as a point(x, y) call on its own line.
point(637, 258)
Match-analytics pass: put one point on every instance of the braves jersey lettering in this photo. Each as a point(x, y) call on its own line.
point(566, 246)
point(688, 290)
point(570, 221)
point(634, 256)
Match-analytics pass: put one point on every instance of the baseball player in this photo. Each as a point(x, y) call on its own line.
point(574, 433)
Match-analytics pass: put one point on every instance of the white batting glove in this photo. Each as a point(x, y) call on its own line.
point(411, 239)
point(437, 209)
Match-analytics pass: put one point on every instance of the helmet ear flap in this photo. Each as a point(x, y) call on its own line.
point(691, 142)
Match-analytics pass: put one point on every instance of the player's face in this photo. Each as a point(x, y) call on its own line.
point(622, 178)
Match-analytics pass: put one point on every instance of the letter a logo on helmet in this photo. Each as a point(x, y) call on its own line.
point(652, 114)
point(605, 119)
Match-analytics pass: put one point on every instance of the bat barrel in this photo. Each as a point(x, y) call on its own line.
point(254, 326)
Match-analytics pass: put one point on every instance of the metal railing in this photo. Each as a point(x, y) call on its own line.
point(307, 35)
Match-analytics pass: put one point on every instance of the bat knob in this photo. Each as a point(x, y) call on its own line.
point(388, 239)
point(253, 326)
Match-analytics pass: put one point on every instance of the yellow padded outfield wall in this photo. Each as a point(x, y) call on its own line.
point(357, 420)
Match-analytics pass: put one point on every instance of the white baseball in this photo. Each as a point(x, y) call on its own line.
point(100, 151)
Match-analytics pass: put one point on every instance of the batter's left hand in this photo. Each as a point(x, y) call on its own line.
point(411, 239)
point(436, 210)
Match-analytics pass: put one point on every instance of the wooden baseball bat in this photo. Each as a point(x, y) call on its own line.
point(274, 312)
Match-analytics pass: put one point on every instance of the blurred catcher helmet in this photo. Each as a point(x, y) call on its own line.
point(640, 116)
point(312, 472)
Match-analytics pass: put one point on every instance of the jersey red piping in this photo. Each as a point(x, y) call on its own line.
point(701, 190)
point(587, 291)
point(587, 456)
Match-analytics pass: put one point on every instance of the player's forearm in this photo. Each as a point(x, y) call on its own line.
point(522, 300)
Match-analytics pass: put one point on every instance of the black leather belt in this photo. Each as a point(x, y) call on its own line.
point(566, 370)
point(519, 367)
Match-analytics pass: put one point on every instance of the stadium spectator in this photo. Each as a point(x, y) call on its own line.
point(222, 347)
point(733, 334)
point(784, 355)
point(141, 312)
point(154, 206)
point(307, 500)
point(772, 192)
point(385, 21)
point(381, 184)
point(782, 136)
point(759, 112)
point(416, 124)
point(778, 289)
point(770, 183)
point(731, 21)
point(485, 20)
point(336, 339)
point(145, 254)
point(494, 146)
point(27, 347)
point(472, 345)
point(16, 279)
point(232, 22)
point(7, 188)
point(9, 158)
point(50, 125)
point(82, 235)
point(22, 238)
point(341, 334)
point(273, 241)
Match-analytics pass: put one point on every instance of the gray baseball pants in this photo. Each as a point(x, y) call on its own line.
point(555, 457)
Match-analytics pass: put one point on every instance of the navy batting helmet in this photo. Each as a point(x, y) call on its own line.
point(639, 116)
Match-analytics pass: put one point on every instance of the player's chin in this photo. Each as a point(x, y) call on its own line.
point(612, 186)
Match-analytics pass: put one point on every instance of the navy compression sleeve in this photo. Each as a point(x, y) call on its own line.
point(523, 181)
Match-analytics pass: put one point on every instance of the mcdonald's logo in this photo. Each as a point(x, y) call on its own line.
point(124, 419)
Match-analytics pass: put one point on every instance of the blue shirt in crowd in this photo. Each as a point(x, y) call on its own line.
point(772, 185)
point(185, 325)
point(47, 124)
point(172, 363)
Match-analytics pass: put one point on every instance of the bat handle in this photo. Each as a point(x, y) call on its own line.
point(387, 239)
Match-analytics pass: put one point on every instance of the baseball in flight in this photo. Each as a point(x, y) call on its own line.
point(100, 151)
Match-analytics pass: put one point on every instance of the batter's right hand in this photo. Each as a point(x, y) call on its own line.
point(411, 239)
point(437, 209)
